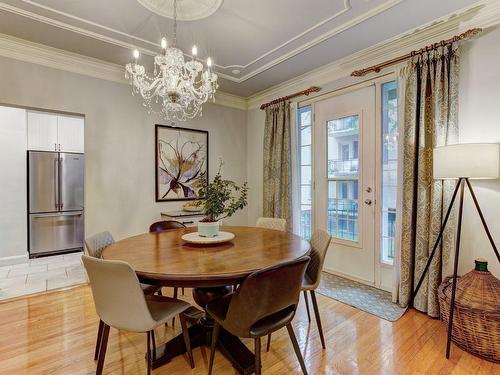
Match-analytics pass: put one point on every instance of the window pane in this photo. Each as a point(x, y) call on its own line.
point(305, 175)
point(343, 209)
point(305, 221)
point(343, 143)
point(305, 155)
point(389, 168)
point(306, 194)
point(305, 170)
point(305, 136)
point(305, 116)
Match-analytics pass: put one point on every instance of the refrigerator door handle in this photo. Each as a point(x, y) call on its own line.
point(61, 204)
point(56, 182)
point(39, 216)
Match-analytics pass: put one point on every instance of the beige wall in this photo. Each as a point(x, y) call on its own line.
point(479, 118)
point(119, 142)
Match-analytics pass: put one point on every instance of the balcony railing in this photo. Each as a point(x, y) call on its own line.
point(343, 167)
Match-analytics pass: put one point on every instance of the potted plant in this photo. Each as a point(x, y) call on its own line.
point(221, 199)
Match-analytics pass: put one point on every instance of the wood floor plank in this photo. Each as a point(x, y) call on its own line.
point(55, 333)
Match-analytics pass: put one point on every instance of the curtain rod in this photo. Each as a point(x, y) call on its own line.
point(305, 92)
point(376, 68)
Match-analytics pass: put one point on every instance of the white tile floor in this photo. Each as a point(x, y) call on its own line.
point(41, 274)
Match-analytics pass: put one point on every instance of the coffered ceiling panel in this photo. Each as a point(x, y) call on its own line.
point(255, 44)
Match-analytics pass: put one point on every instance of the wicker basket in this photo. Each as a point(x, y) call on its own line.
point(476, 321)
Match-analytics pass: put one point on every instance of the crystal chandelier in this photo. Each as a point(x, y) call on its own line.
point(177, 89)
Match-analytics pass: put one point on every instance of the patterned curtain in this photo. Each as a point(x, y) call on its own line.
point(429, 120)
point(277, 163)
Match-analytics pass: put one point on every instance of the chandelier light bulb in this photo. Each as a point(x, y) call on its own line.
point(209, 62)
point(136, 54)
point(194, 51)
point(164, 43)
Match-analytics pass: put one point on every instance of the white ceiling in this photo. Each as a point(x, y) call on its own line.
point(255, 44)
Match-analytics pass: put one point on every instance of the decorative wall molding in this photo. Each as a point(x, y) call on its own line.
point(20, 49)
point(483, 14)
point(222, 69)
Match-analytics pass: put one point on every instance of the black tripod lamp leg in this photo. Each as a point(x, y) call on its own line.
point(485, 226)
point(438, 240)
point(455, 270)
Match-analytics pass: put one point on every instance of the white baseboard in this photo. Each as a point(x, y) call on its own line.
point(8, 261)
point(350, 277)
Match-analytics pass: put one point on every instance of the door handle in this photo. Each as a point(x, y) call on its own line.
point(368, 202)
point(72, 214)
point(56, 183)
point(61, 204)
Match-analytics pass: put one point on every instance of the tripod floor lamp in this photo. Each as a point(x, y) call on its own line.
point(462, 162)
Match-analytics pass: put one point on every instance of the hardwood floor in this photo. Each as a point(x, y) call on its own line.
point(55, 333)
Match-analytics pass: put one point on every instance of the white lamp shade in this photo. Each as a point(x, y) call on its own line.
point(472, 160)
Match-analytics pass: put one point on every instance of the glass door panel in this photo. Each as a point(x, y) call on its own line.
point(343, 173)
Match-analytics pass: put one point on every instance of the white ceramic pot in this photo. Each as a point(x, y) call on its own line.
point(208, 229)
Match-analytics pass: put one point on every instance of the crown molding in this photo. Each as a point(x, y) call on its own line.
point(276, 61)
point(23, 50)
point(485, 13)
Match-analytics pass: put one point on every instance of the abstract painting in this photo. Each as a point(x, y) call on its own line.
point(181, 159)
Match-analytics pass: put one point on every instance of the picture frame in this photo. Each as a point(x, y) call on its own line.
point(173, 146)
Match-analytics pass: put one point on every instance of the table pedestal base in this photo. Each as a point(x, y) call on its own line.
point(200, 333)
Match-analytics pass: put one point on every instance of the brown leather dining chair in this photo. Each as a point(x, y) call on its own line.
point(265, 302)
point(320, 241)
point(161, 226)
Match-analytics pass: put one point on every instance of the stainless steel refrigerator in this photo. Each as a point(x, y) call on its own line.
point(56, 202)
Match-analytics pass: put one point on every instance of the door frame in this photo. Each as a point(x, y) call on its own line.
point(381, 268)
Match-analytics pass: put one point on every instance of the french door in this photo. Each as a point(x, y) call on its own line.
point(344, 199)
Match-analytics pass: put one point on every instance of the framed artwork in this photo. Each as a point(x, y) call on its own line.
point(181, 158)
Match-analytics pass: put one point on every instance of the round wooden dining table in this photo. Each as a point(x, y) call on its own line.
point(165, 259)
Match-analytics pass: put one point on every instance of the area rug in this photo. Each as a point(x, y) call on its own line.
point(372, 300)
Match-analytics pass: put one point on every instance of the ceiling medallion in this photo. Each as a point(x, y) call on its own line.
point(191, 10)
point(177, 89)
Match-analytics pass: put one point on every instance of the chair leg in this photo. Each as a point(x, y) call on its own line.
point(153, 344)
point(307, 306)
point(102, 349)
point(183, 291)
point(175, 296)
point(215, 335)
point(187, 341)
point(296, 348)
point(148, 352)
point(258, 365)
point(318, 319)
point(268, 346)
point(98, 341)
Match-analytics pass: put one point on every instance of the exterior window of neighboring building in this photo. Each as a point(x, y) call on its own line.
point(304, 116)
point(389, 169)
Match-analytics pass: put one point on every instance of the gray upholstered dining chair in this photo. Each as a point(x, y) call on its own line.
point(320, 241)
point(271, 223)
point(120, 303)
point(98, 242)
point(265, 302)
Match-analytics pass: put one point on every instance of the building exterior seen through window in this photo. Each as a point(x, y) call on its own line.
point(389, 139)
point(305, 169)
point(343, 173)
